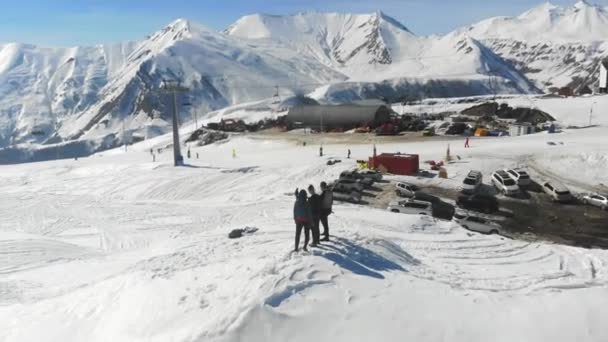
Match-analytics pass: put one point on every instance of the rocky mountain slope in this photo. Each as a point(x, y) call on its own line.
point(110, 94)
point(553, 46)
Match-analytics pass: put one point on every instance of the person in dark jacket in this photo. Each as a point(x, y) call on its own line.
point(302, 218)
point(327, 200)
point(315, 209)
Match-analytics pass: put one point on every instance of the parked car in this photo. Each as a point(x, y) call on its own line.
point(504, 183)
point(347, 176)
point(443, 210)
point(520, 176)
point(472, 182)
point(478, 202)
point(478, 224)
point(375, 175)
point(346, 187)
point(557, 192)
point(403, 189)
point(423, 196)
point(413, 207)
point(596, 200)
point(353, 197)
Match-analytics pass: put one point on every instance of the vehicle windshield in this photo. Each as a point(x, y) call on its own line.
point(509, 182)
point(563, 192)
point(469, 181)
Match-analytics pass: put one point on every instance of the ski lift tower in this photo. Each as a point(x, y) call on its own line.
point(174, 87)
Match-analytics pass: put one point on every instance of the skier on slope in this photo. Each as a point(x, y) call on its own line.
point(327, 200)
point(302, 217)
point(315, 209)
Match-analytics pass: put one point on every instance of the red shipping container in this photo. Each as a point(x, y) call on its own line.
point(397, 164)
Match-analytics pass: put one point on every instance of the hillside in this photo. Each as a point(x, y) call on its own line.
point(100, 97)
point(554, 46)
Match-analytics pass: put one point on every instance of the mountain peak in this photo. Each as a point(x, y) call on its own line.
point(381, 15)
point(582, 4)
point(581, 22)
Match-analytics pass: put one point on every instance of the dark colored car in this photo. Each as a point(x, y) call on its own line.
point(478, 202)
point(423, 196)
point(346, 187)
point(351, 178)
point(441, 209)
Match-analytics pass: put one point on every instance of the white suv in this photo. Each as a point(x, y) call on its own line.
point(596, 200)
point(413, 207)
point(520, 176)
point(558, 192)
point(472, 182)
point(405, 189)
point(504, 183)
point(478, 224)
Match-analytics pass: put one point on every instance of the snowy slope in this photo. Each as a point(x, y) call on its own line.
point(582, 22)
point(377, 48)
point(552, 45)
point(333, 38)
point(42, 87)
point(218, 70)
point(144, 255)
point(105, 95)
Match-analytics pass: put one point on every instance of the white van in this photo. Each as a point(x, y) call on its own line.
point(472, 182)
point(504, 183)
point(558, 192)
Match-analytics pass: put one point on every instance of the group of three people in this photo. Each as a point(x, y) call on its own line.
point(308, 211)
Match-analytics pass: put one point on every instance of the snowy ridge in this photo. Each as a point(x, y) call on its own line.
point(41, 87)
point(92, 94)
point(553, 46)
point(582, 22)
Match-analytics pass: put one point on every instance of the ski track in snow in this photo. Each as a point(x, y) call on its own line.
point(114, 247)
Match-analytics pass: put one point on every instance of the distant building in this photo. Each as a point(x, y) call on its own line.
point(566, 92)
point(518, 129)
point(340, 117)
point(604, 76)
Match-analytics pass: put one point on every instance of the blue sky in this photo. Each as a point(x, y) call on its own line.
point(86, 22)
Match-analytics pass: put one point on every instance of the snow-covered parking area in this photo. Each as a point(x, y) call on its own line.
point(115, 247)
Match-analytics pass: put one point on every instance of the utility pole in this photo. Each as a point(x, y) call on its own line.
point(195, 119)
point(174, 87)
point(58, 137)
point(124, 135)
point(321, 123)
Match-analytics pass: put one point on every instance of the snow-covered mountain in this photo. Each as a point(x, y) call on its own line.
point(554, 46)
point(93, 93)
point(109, 93)
point(40, 87)
point(376, 48)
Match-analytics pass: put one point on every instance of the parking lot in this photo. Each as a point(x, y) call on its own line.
point(530, 216)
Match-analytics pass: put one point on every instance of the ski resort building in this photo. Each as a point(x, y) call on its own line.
point(340, 117)
point(604, 76)
point(518, 129)
point(396, 163)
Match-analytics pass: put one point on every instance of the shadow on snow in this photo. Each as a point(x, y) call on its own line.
point(363, 261)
